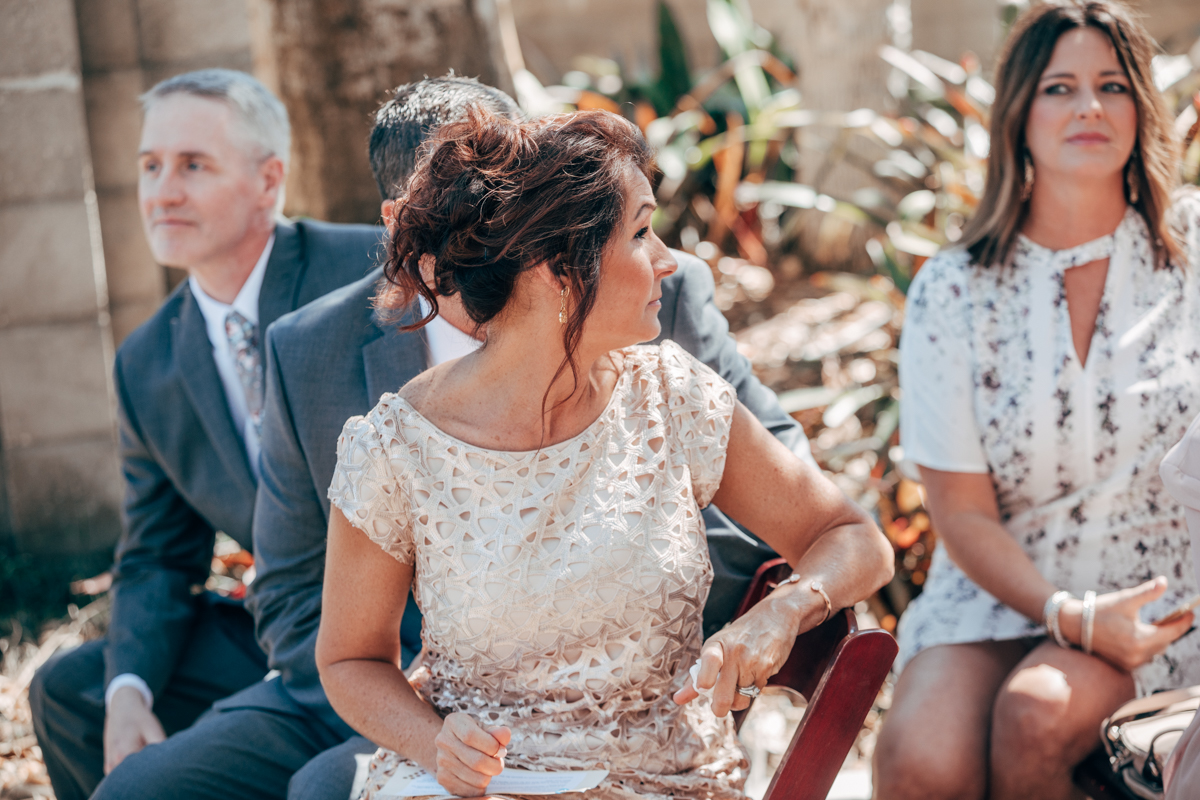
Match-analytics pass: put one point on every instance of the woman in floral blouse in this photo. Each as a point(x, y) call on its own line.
point(1048, 364)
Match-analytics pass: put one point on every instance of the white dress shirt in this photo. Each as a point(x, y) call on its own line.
point(446, 342)
point(214, 311)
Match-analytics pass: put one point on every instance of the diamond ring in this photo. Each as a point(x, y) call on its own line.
point(749, 691)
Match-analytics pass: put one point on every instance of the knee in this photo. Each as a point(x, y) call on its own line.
point(911, 763)
point(54, 684)
point(1031, 716)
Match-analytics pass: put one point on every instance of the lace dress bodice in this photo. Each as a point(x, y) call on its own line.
point(562, 589)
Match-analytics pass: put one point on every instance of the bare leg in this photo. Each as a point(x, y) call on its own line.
point(934, 742)
point(1047, 719)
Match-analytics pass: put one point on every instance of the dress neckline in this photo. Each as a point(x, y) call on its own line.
point(618, 389)
point(1086, 253)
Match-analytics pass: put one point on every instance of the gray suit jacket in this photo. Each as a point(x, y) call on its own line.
point(331, 361)
point(185, 468)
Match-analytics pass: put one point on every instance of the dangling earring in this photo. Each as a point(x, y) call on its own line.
point(1131, 180)
point(562, 306)
point(1027, 185)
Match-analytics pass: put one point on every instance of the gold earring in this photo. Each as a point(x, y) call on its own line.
point(1131, 182)
point(1027, 186)
point(562, 305)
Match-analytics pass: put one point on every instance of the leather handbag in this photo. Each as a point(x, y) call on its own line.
point(1141, 734)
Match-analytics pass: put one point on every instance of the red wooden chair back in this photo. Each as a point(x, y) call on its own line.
point(838, 669)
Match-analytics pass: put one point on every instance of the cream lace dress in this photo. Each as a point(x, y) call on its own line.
point(562, 589)
point(992, 385)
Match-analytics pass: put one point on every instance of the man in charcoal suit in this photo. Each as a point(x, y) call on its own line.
point(326, 363)
point(189, 385)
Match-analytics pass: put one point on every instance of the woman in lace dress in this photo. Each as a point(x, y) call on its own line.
point(542, 496)
point(1047, 365)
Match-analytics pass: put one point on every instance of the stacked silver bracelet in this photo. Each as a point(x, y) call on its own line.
point(1050, 612)
point(1089, 620)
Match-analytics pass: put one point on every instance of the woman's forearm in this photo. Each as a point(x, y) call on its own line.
point(850, 561)
point(992, 558)
point(375, 699)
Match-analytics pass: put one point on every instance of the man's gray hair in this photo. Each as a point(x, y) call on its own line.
point(262, 115)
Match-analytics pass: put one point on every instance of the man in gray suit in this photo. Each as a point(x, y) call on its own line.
point(325, 363)
point(189, 385)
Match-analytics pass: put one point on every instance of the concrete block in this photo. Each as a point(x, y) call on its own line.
point(235, 59)
point(45, 263)
point(126, 317)
point(54, 384)
point(38, 36)
point(114, 120)
point(65, 496)
point(182, 30)
point(107, 34)
point(133, 274)
point(44, 145)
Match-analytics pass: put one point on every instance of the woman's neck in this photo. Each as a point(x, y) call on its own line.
point(1065, 212)
point(494, 397)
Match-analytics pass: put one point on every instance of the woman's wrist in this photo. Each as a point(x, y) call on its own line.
point(1070, 620)
point(804, 606)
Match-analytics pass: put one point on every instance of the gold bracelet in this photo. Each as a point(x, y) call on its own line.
point(815, 586)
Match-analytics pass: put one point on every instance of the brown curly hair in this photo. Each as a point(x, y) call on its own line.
point(493, 197)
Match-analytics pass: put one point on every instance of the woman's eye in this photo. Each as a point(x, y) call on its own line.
point(194, 166)
point(642, 233)
point(1056, 88)
point(1114, 88)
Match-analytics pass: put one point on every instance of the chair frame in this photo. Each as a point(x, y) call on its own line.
point(839, 669)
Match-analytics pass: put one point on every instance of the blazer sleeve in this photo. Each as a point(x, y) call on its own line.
point(700, 328)
point(289, 542)
point(165, 550)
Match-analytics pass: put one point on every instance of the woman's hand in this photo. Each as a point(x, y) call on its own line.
point(1119, 635)
point(746, 653)
point(468, 755)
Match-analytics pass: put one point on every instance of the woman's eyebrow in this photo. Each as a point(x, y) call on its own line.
point(651, 206)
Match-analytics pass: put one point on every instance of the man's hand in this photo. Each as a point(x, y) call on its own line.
point(128, 727)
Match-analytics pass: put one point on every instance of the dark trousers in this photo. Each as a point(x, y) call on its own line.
point(256, 744)
point(67, 693)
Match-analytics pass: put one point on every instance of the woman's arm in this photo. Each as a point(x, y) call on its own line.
point(964, 512)
point(358, 657)
point(827, 539)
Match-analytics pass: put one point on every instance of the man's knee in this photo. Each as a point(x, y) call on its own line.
point(332, 775)
point(62, 682)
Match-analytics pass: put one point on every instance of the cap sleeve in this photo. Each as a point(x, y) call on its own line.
point(365, 488)
point(937, 403)
point(700, 407)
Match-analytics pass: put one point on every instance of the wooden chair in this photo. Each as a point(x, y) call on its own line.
point(838, 669)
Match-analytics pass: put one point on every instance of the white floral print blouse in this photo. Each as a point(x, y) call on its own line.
point(992, 384)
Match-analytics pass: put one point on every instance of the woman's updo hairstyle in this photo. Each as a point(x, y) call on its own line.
point(493, 197)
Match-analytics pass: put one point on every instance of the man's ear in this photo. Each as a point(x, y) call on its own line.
point(387, 210)
point(274, 175)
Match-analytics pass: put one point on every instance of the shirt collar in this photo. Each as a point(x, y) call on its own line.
point(246, 302)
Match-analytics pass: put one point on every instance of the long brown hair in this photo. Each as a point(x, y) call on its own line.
point(1154, 164)
point(493, 197)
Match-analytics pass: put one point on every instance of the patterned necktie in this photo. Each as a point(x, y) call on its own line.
point(243, 346)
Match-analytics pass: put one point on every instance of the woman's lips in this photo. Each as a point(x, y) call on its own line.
point(1088, 138)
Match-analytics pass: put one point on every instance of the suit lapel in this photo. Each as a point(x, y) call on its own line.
point(393, 358)
point(285, 269)
point(193, 354)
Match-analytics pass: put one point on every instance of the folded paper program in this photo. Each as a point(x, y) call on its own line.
point(416, 782)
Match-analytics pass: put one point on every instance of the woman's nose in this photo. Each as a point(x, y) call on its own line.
point(1089, 104)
